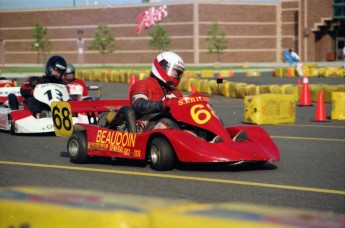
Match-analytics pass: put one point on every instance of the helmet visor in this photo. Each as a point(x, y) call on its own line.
point(59, 69)
point(174, 71)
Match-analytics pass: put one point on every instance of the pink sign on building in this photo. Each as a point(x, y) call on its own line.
point(150, 17)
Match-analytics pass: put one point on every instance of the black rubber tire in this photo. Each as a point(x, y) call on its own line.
point(162, 154)
point(77, 147)
point(12, 128)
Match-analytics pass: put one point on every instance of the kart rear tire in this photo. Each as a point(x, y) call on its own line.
point(162, 154)
point(77, 147)
point(12, 128)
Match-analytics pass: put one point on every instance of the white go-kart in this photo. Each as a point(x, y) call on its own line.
point(23, 121)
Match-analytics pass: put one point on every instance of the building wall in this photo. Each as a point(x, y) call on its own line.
point(290, 25)
point(317, 18)
point(250, 30)
point(255, 32)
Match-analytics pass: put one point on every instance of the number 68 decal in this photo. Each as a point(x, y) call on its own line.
point(62, 118)
point(201, 114)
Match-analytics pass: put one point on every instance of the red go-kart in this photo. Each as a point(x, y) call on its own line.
point(199, 137)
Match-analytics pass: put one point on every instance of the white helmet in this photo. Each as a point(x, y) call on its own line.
point(168, 67)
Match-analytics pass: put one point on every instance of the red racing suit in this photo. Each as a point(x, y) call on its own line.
point(149, 96)
point(80, 82)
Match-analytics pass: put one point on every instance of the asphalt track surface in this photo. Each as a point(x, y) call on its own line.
point(310, 175)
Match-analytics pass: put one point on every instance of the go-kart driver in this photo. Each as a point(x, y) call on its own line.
point(54, 70)
point(69, 78)
point(4, 82)
point(155, 94)
point(12, 101)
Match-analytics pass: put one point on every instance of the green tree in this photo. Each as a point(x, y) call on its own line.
point(159, 38)
point(103, 41)
point(40, 44)
point(216, 40)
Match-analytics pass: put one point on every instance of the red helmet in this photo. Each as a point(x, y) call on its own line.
point(168, 67)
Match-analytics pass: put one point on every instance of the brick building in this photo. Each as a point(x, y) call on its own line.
point(256, 32)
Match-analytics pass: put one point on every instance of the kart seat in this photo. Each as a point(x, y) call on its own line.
point(125, 115)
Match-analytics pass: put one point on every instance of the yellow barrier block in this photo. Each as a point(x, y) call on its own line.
point(278, 72)
point(105, 75)
point(142, 76)
point(79, 74)
point(338, 106)
point(188, 86)
point(190, 74)
point(251, 90)
point(96, 75)
point(207, 73)
point(121, 77)
point(329, 72)
point(182, 85)
point(47, 207)
point(192, 82)
point(340, 88)
point(112, 76)
point(225, 89)
point(204, 86)
point(313, 72)
point(226, 73)
point(292, 90)
point(233, 88)
point(253, 73)
point(310, 65)
point(263, 89)
point(213, 87)
point(241, 215)
point(276, 89)
point(327, 92)
point(198, 216)
point(305, 70)
point(314, 91)
point(289, 72)
point(270, 109)
point(240, 90)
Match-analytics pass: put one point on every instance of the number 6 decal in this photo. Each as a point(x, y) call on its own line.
point(201, 115)
point(62, 118)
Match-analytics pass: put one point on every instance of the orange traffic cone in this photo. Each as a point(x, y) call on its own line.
point(193, 89)
point(132, 80)
point(320, 113)
point(289, 72)
point(305, 99)
point(231, 74)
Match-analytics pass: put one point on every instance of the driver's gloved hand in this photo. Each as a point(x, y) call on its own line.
point(167, 102)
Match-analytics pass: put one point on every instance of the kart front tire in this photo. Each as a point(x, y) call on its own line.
point(77, 147)
point(162, 154)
